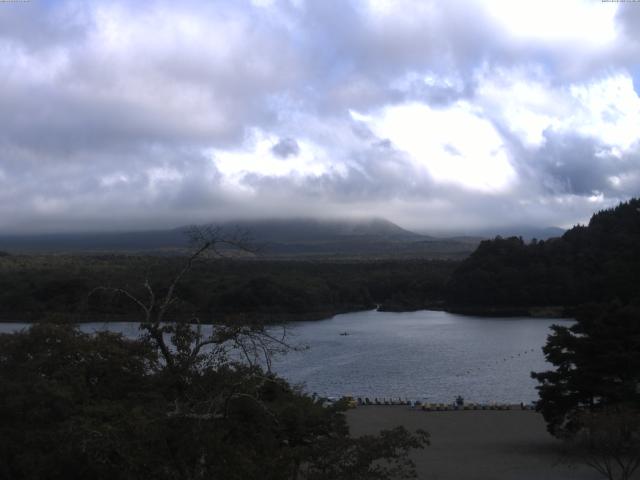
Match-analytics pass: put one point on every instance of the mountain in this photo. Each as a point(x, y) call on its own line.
point(594, 263)
point(315, 230)
point(279, 237)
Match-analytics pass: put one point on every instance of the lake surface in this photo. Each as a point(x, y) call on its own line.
point(426, 355)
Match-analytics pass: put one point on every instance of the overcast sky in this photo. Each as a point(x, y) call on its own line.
point(438, 115)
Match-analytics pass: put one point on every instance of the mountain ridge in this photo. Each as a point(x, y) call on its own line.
point(275, 236)
point(280, 235)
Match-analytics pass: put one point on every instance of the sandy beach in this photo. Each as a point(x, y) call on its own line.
point(476, 445)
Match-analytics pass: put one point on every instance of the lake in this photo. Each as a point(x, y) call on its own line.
point(425, 355)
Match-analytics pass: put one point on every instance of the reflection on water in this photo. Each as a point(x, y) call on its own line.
point(419, 355)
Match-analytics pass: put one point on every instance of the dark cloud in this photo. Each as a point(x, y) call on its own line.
point(579, 166)
point(151, 187)
point(44, 25)
point(286, 147)
point(628, 18)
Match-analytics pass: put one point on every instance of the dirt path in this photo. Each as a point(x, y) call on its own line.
point(476, 445)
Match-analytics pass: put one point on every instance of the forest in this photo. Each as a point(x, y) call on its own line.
point(599, 262)
point(55, 287)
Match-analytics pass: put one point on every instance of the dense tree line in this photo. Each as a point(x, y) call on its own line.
point(37, 287)
point(594, 263)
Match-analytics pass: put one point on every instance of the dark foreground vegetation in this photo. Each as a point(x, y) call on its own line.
point(78, 406)
point(599, 262)
point(56, 287)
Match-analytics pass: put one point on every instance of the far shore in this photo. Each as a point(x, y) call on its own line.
point(549, 311)
point(477, 445)
point(283, 318)
point(265, 318)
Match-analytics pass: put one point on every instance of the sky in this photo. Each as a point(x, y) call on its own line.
point(438, 115)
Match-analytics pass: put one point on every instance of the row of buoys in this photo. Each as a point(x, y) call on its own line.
point(383, 401)
point(498, 362)
point(432, 407)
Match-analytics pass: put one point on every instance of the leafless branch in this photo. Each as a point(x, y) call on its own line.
point(254, 342)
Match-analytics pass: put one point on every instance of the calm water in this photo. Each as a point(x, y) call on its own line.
point(426, 355)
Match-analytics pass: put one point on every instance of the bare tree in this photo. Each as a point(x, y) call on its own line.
point(185, 350)
point(182, 343)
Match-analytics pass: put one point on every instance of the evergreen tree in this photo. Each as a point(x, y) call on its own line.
point(597, 366)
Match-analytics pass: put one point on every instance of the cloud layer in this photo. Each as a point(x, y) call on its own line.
point(438, 115)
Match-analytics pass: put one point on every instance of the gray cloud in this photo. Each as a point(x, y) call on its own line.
point(286, 147)
point(109, 112)
point(628, 18)
point(41, 25)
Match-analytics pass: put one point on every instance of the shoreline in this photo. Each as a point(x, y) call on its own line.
point(265, 318)
point(284, 318)
point(545, 311)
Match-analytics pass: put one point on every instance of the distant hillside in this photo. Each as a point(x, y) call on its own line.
point(279, 237)
point(104, 241)
point(526, 232)
point(314, 230)
point(597, 262)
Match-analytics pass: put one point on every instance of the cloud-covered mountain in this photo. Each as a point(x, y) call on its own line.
point(321, 230)
point(302, 236)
